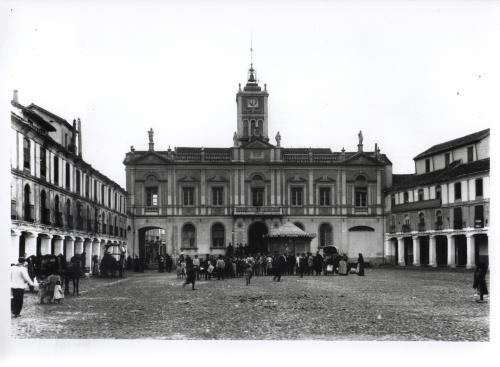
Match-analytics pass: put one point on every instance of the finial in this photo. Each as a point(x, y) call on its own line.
point(251, 49)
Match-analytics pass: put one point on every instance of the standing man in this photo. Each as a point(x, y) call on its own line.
point(18, 279)
point(280, 267)
point(190, 275)
point(196, 266)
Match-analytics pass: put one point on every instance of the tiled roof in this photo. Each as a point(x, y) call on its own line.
point(289, 230)
point(455, 143)
point(455, 170)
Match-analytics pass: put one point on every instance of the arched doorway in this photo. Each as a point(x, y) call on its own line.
point(152, 244)
point(256, 240)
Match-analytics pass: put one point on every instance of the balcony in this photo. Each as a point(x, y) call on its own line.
point(151, 210)
point(29, 213)
point(392, 228)
point(417, 205)
point(458, 224)
point(59, 221)
point(421, 227)
point(405, 228)
point(438, 226)
point(69, 221)
point(79, 223)
point(13, 209)
point(257, 210)
point(45, 219)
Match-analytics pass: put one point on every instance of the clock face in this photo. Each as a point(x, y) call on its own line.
point(252, 102)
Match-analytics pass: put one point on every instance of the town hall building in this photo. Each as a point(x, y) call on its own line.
point(203, 199)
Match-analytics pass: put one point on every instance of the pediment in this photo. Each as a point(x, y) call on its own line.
point(258, 144)
point(217, 178)
point(187, 179)
point(297, 178)
point(325, 178)
point(362, 159)
point(148, 158)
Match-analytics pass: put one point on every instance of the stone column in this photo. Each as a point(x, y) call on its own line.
point(451, 251)
point(69, 243)
point(88, 252)
point(14, 246)
point(96, 248)
point(416, 250)
point(471, 251)
point(78, 246)
point(432, 251)
point(58, 245)
point(45, 248)
point(30, 244)
point(388, 250)
point(401, 251)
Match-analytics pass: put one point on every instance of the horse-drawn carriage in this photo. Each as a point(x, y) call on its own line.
point(50, 269)
point(112, 262)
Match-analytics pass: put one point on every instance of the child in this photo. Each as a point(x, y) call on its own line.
point(58, 293)
point(248, 272)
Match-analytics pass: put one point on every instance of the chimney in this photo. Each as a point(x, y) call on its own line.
point(14, 97)
point(79, 138)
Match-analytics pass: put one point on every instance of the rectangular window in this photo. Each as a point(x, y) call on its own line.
point(68, 175)
point(470, 154)
point(152, 196)
point(27, 153)
point(217, 193)
point(458, 190)
point(393, 200)
point(427, 165)
point(78, 182)
point(479, 187)
point(43, 163)
point(296, 196)
point(360, 197)
point(406, 197)
point(447, 159)
point(86, 186)
point(188, 196)
point(257, 196)
point(324, 196)
point(56, 170)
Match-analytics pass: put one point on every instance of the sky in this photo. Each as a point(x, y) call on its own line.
point(408, 74)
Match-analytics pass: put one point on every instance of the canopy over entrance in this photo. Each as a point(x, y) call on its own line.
point(288, 238)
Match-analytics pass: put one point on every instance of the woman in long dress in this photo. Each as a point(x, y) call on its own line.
point(361, 265)
point(343, 265)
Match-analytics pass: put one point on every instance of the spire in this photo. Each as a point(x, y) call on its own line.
point(252, 75)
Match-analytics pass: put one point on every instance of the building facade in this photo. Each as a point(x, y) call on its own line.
point(59, 203)
point(439, 216)
point(206, 198)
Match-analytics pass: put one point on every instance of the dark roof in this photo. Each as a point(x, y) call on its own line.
point(455, 170)
point(35, 107)
point(455, 143)
point(306, 150)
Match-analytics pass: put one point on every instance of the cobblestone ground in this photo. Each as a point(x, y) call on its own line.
point(386, 304)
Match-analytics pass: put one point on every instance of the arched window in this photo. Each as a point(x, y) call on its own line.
point(245, 128)
point(56, 170)
point(96, 220)
point(89, 224)
point(420, 194)
point(325, 235)
point(393, 220)
point(188, 235)
point(28, 208)
point(439, 219)
point(252, 127)
point(218, 235)
point(407, 220)
point(27, 153)
point(79, 215)
point(44, 211)
point(257, 185)
point(438, 192)
point(87, 186)
point(69, 217)
point(360, 191)
point(57, 211)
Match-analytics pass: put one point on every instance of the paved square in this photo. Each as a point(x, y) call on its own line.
point(386, 304)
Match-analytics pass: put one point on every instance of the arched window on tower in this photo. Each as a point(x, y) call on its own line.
point(245, 128)
point(252, 128)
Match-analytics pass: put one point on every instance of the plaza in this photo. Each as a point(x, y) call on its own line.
point(387, 304)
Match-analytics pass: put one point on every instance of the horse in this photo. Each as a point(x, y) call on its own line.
point(73, 272)
point(109, 265)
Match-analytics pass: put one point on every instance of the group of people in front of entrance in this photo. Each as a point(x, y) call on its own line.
point(221, 267)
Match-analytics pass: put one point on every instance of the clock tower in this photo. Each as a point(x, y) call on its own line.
point(252, 110)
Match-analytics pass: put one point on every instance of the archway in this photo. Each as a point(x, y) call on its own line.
point(152, 244)
point(256, 240)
